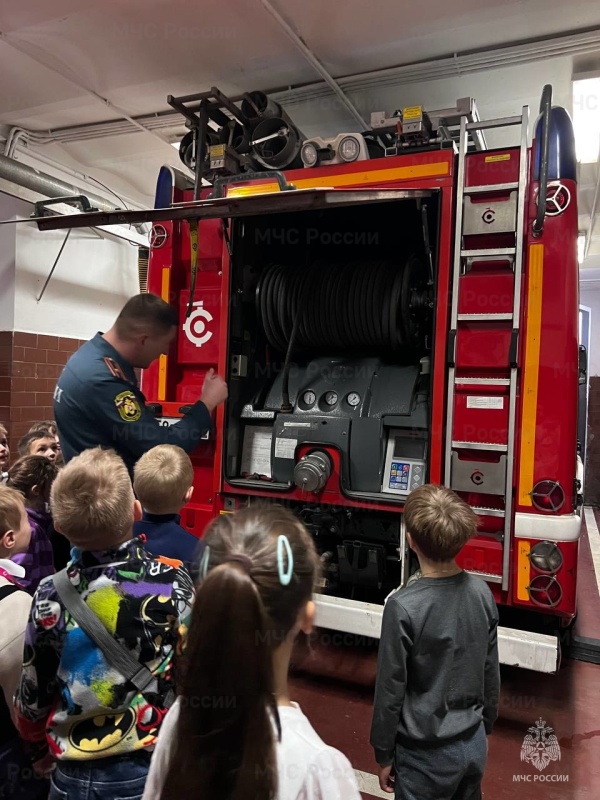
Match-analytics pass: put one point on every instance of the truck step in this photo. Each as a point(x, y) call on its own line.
point(482, 381)
point(492, 251)
point(491, 187)
point(483, 317)
point(500, 122)
point(500, 448)
point(483, 511)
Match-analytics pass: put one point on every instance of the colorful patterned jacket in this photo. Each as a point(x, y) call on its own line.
point(38, 561)
point(71, 703)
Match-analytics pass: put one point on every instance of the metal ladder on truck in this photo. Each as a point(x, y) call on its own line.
point(485, 476)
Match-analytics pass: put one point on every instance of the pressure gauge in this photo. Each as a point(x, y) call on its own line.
point(308, 398)
point(353, 399)
point(331, 398)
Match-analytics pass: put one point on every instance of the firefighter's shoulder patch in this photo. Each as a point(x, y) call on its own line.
point(115, 369)
point(128, 406)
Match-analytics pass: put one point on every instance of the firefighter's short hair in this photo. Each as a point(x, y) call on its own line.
point(161, 478)
point(92, 500)
point(143, 312)
point(439, 521)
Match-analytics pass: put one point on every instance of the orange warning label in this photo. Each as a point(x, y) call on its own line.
point(500, 157)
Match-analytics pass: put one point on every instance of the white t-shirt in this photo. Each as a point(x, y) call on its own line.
point(308, 769)
point(14, 614)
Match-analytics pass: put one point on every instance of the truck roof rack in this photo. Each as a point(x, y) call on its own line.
point(444, 122)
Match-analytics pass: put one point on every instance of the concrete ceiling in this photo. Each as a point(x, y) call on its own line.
point(69, 63)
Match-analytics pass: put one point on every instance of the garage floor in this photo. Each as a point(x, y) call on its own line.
point(334, 686)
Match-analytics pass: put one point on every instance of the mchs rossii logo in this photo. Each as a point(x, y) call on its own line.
point(540, 747)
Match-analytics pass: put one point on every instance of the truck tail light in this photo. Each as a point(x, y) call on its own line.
point(545, 591)
point(548, 496)
point(546, 557)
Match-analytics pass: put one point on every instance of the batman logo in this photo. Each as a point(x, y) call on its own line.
point(157, 610)
point(102, 732)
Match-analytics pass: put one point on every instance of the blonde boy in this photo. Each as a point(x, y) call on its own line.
point(438, 678)
point(77, 707)
point(162, 481)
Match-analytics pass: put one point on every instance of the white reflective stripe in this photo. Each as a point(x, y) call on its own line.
point(566, 528)
point(349, 616)
point(594, 541)
point(535, 651)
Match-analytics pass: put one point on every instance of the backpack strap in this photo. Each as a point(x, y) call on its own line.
point(6, 591)
point(116, 655)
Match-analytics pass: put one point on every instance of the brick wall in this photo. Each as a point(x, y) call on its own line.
point(30, 363)
point(5, 375)
point(592, 476)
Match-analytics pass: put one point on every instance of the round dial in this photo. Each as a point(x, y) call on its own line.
point(331, 398)
point(309, 398)
point(353, 399)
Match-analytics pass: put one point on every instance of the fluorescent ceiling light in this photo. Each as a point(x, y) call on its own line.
point(580, 247)
point(586, 119)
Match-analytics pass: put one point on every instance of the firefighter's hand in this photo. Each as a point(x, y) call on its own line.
point(214, 390)
point(387, 778)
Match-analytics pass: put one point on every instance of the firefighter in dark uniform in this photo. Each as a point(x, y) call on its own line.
point(97, 401)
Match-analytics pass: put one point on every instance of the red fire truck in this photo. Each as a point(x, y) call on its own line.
point(384, 322)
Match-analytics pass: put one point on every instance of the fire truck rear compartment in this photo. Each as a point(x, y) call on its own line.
point(331, 324)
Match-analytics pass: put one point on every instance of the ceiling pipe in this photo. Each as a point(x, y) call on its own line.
point(48, 186)
point(315, 63)
point(521, 53)
point(82, 178)
point(45, 184)
point(115, 233)
point(456, 64)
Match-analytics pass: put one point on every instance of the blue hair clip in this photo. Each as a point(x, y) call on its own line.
point(285, 576)
point(203, 568)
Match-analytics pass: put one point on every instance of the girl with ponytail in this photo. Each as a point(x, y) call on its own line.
point(233, 733)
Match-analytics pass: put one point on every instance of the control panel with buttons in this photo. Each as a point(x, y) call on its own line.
point(405, 464)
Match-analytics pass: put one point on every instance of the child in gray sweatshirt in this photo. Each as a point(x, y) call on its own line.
point(438, 678)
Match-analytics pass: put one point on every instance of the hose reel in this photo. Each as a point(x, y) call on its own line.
point(346, 306)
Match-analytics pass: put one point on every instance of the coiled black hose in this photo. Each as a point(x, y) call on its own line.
point(367, 305)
